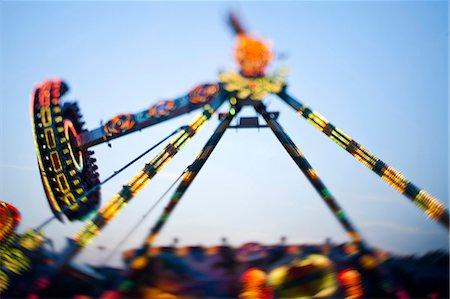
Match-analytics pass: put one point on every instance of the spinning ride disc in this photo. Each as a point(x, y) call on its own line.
point(67, 172)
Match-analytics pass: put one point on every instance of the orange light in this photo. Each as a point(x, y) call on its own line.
point(252, 55)
point(254, 276)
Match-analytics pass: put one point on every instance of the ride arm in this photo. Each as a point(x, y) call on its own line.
point(432, 207)
point(124, 124)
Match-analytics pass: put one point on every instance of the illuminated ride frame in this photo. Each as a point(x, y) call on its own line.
point(69, 173)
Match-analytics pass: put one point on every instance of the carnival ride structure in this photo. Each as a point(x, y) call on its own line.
point(69, 173)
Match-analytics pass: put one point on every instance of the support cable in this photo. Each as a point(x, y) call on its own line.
point(78, 200)
point(144, 216)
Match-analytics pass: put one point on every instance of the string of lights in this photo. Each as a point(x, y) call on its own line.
point(311, 175)
point(432, 207)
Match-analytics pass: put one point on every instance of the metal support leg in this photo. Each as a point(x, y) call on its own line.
point(187, 179)
point(432, 207)
point(311, 175)
point(326, 195)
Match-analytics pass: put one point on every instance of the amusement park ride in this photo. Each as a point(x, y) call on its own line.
point(69, 174)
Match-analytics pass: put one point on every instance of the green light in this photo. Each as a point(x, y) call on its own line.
point(385, 285)
point(126, 285)
point(232, 111)
point(326, 193)
point(340, 214)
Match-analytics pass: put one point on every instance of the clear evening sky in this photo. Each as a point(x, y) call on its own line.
point(376, 70)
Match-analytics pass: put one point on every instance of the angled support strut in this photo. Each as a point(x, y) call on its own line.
point(320, 187)
point(189, 177)
point(310, 174)
point(186, 181)
point(432, 207)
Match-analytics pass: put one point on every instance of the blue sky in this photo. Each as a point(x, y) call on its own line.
point(376, 70)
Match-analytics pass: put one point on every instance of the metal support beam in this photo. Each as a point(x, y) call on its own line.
point(325, 194)
point(432, 207)
point(311, 175)
point(187, 179)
